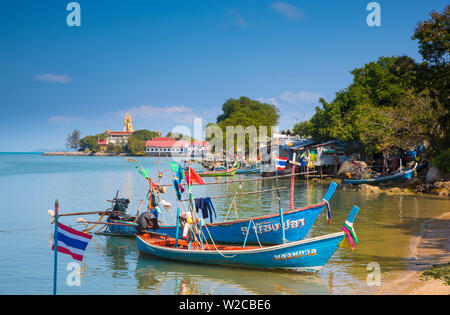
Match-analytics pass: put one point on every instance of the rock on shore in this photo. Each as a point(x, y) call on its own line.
point(438, 188)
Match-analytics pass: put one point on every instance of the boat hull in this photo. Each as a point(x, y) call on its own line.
point(253, 170)
point(405, 175)
point(305, 255)
point(217, 174)
point(297, 223)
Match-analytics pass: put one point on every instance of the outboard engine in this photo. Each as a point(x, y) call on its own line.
point(119, 209)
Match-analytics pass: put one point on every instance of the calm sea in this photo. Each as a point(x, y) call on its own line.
point(30, 183)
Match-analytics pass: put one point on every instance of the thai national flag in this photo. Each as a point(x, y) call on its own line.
point(71, 242)
point(280, 163)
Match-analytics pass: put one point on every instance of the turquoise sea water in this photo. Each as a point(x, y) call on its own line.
point(30, 183)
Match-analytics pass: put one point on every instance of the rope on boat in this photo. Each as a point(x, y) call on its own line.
point(98, 222)
point(226, 216)
point(224, 256)
point(256, 233)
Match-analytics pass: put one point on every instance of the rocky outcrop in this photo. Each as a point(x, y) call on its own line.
point(433, 175)
point(413, 182)
point(364, 188)
point(437, 188)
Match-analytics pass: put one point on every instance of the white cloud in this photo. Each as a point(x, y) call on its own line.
point(301, 97)
point(55, 78)
point(288, 10)
point(180, 114)
point(269, 100)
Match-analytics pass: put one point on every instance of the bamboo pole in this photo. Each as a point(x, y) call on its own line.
point(109, 223)
point(246, 180)
point(82, 213)
point(241, 194)
point(292, 183)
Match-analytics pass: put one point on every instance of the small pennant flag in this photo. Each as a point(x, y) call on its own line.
point(71, 242)
point(194, 177)
point(280, 163)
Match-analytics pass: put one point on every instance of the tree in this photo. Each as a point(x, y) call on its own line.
point(247, 113)
point(73, 140)
point(136, 142)
point(378, 86)
point(434, 37)
point(144, 135)
point(91, 142)
point(135, 146)
point(413, 121)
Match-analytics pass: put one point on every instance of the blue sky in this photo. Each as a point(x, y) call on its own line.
point(168, 61)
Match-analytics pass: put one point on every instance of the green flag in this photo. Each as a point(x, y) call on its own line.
point(173, 166)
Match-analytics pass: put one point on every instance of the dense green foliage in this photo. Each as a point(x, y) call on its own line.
point(393, 102)
point(135, 145)
point(441, 271)
point(442, 161)
point(136, 142)
point(434, 37)
point(180, 136)
point(144, 135)
point(246, 112)
point(91, 143)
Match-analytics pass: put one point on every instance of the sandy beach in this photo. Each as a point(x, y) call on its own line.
point(432, 246)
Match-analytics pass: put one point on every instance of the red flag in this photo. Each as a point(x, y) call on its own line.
point(195, 178)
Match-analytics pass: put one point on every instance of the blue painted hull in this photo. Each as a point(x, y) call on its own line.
point(264, 229)
point(253, 170)
point(303, 255)
point(121, 230)
point(405, 175)
point(297, 223)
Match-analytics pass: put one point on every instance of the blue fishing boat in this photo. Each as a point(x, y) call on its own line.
point(407, 174)
point(297, 223)
point(303, 255)
point(249, 170)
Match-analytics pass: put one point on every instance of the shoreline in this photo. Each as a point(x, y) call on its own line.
point(81, 153)
point(430, 247)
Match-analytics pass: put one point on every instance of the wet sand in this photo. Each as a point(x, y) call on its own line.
point(432, 246)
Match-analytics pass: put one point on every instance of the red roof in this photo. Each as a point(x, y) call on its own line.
point(164, 142)
point(200, 143)
point(102, 142)
point(119, 133)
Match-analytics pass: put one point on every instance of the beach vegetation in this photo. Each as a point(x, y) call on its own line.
point(393, 103)
point(442, 161)
point(441, 271)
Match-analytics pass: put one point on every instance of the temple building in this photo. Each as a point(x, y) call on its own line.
point(118, 137)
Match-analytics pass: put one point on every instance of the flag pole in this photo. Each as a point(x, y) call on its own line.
point(55, 237)
point(292, 182)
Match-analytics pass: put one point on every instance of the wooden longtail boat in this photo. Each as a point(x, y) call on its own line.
point(297, 223)
point(303, 255)
point(229, 172)
point(250, 170)
point(407, 174)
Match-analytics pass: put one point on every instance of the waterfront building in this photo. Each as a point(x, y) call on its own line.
point(169, 146)
point(118, 137)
